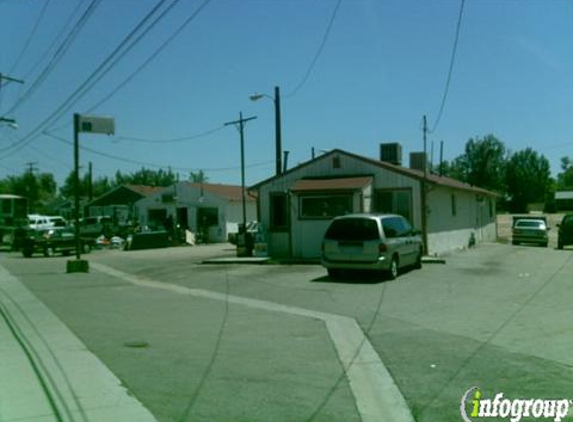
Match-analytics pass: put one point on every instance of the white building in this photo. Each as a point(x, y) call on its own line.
point(193, 205)
point(297, 206)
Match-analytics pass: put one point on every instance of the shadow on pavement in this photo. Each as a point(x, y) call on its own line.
point(353, 277)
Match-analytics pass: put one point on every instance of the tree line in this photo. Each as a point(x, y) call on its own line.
point(520, 178)
point(44, 196)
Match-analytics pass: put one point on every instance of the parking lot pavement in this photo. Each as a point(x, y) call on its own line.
point(495, 316)
point(188, 358)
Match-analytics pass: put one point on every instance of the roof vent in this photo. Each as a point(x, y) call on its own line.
point(418, 161)
point(391, 153)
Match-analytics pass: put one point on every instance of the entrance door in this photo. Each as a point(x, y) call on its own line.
point(182, 218)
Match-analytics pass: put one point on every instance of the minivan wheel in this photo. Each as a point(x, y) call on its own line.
point(393, 271)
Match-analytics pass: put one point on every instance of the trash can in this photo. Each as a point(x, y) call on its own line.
point(245, 243)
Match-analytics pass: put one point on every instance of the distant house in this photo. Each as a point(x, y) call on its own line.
point(118, 203)
point(564, 200)
point(296, 207)
point(195, 205)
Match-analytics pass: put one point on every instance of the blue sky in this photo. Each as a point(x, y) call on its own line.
point(383, 66)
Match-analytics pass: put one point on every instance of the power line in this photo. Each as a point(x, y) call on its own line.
point(55, 40)
point(145, 163)
point(451, 67)
point(318, 52)
point(171, 140)
point(57, 56)
point(31, 36)
point(97, 74)
point(149, 59)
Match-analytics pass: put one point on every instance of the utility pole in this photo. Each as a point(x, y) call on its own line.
point(424, 191)
point(278, 136)
point(241, 126)
point(9, 79)
point(90, 182)
point(441, 169)
point(32, 166)
point(285, 162)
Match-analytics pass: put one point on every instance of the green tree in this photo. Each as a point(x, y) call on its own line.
point(99, 186)
point(528, 178)
point(565, 178)
point(198, 177)
point(39, 189)
point(483, 163)
point(146, 177)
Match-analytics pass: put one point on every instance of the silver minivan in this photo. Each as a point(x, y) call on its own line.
point(385, 242)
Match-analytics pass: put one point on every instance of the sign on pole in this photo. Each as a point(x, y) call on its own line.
point(96, 124)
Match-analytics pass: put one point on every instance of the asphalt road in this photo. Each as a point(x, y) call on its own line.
point(497, 317)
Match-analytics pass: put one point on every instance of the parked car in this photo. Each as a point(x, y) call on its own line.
point(530, 230)
point(383, 242)
point(565, 234)
point(51, 242)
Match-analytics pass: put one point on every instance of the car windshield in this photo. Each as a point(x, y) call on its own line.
point(357, 229)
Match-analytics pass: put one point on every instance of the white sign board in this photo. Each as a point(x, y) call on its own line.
point(96, 124)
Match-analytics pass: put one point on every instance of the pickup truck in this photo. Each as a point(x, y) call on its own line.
point(52, 242)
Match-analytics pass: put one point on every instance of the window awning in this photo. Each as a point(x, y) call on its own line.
point(343, 183)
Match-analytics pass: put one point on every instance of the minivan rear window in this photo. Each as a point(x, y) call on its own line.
point(531, 223)
point(357, 229)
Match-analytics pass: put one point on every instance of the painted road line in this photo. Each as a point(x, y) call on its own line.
point(82, 387)
point(378, 399)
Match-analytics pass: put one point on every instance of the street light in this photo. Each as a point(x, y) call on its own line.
point(11, 122)
point(277, 101)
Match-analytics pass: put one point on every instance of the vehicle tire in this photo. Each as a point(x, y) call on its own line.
point(418, 263)
point(86, 248)
point(49, 251)
point(27, 252)
point(513, 242)
point(392, 273)
point(544, 244)
point(66, 252)
point(559, 244)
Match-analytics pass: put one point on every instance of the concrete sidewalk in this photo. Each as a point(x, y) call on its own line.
point(47, 374)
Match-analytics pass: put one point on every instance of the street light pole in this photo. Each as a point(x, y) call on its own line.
point(278, 131)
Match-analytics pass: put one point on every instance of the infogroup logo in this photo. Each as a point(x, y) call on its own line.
point(474, 405)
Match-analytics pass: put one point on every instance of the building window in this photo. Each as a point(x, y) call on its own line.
point(325, 206)
point(397, 201)
point(454, 206)
point(278, 211)
point(336, 162)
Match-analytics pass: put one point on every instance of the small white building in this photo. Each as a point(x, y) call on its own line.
point(194, 205)
point(296, 207)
